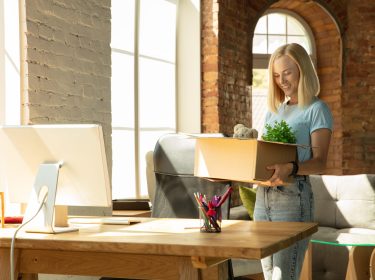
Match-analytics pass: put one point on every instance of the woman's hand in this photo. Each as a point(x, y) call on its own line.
point(280, 174)
point(320, 139)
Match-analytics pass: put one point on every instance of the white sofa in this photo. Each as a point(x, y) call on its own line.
point(345, 211)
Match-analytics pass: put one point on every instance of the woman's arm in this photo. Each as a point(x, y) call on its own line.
point(320, 140)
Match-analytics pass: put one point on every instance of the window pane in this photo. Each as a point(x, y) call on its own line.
point(260, 44)
point(274, 42)
point(122, 83)
point(260, 78)
point(156, 88)
point(123, 170)
point(276, 24)
point(147, 141)
point(122, 23)
point(157, 27)
point(294, 27)
point(261, 27)
point(302, 40)
point(156, 94)
point(11, 31)
point(259, 99)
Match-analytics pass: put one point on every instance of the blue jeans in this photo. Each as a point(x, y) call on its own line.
point(293, 203)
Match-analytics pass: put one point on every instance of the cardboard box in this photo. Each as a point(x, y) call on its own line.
point(242, 160)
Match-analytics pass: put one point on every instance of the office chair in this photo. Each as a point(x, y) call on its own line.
point(175, 180)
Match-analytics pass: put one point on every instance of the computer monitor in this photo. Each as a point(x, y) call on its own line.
point(68, 161)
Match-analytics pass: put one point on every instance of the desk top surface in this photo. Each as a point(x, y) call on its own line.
point(179, 237)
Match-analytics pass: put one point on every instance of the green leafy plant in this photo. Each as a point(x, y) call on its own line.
point(279, 132)
point(248, 196)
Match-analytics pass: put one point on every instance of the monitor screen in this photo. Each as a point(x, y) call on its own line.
point(83, 178)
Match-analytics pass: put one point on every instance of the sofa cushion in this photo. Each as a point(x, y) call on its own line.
point(344, 201)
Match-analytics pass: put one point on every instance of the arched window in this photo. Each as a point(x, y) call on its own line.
point(275, 28)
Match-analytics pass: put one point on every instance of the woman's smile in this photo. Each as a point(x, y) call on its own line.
point(286, 76)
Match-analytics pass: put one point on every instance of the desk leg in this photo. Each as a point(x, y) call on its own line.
point(187, 271)
point(5, 263)
point(219, 271)
point(203, 269)
point(306, 273)
point(5, 266)
point(211, 268)
point(372, 265)
point(359, 260)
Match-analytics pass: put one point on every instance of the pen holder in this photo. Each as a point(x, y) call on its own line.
point(210, 219)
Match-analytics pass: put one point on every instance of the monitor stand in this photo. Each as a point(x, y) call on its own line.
point(51, 218)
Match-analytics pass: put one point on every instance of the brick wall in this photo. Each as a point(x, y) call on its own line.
point(68, 64)
point(344, 53)
point(226, 58)
point(234, 95)
point(359, 89)
point(210, 68)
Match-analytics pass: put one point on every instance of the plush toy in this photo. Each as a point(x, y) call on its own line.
point(241, 131)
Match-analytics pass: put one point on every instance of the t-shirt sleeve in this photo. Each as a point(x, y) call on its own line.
point(321, 117)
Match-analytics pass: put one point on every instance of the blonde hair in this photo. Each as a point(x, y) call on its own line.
point(308, 84)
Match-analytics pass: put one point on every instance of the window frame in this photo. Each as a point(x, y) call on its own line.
point(260, 61)
point(137, 129)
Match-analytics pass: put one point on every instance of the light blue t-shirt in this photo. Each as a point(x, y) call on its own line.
point(303, 122)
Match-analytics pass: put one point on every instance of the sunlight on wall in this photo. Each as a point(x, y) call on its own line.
point(11, 57)
point(9, 76)
point(188, 67)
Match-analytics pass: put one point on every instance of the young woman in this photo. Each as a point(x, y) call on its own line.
point(292, 97)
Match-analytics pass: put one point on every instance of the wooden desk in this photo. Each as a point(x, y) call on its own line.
point(154, 248)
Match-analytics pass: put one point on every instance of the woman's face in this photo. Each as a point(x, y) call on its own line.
point(286, 76)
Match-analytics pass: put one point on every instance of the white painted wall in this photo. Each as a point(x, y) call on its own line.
point(68, 61)
point(188, 67)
